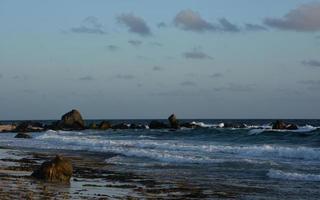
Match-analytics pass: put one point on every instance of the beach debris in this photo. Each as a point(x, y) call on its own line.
point(72, 120)
point(157, 125)
point(174, 123)
point(23, 135)
point(57, 170)
point(281, 125)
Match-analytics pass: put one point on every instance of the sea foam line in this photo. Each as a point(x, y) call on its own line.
point(278, 174)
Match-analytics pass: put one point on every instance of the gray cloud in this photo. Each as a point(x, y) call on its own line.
point(135, 24)
point(155, 44)
point(216, 75)
point(311, 63)
point(188, 83)
point(311, 84)
point(161, 25)
point(89, 25)
point(112, 47)
point(157, 68)
point(86, 78)
point(228, 26)
point(196, 54)
point(124, 76)
point(255, 27)
point(192, 21)
point(135, 43)
point(304, 18)
point(232, 87)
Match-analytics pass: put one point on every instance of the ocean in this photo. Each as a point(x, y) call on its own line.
point(274, 164)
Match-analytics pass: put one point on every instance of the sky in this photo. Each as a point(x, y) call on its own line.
point(142, 59)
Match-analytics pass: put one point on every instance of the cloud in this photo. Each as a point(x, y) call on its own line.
point(311, 63)
point(135, 24)
point(155, 44)
point(112, 47)
point(124, 76)
point(196, 54)
point(255, 27)
point(188, 83)
point(311, 84)
point(232, 87)
point(157, 68)
point(304, 18)
point(161, 25)
point(135, 43)
point(216, 75)
point(89, 25)
point(192, 21)
point(86, 78)
point(227, 26)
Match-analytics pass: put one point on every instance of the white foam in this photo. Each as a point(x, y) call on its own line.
point(204, 125)
point(278, 174)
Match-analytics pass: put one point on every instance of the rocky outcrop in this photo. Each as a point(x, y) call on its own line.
point(174, 123)
point(23, 135)
point(7, 128)
point(57, 170)
point(157, 125)
point(93, 126)
point(72, 121)
point(190, 125)
point(104, 125)
point(29, 126)
point(281, 125)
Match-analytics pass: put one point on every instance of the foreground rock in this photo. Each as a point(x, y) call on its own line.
point(281, 125)
point(104, 125)
point(174, 123)
point(57, 170)
point(29, 126)
point(157, 125)
point(72, 120)
point(23, 135)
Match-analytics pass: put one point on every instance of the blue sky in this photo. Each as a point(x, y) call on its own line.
point(148, 59)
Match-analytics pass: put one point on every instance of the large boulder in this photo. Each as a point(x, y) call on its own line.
point(23, 135)
point(72, 120)
point(157, 125)
point(174, 123)
point(281, 125)
point(57, 170)
point(104, 125)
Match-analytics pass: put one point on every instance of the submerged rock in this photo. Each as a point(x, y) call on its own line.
point(174, 123)
point(281, 125)
point(157, 125)
point(72, 120)
point(104, 125)
point(23, 135)
point(57, 170)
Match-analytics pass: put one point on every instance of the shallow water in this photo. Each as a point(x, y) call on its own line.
point(277, 164)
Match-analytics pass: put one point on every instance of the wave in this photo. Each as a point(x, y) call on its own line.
point(301, 129)
point(278, 174)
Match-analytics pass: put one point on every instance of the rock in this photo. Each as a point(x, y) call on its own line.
point(157, 125)
point(174, 123)
point(137, 126)
point(23, 135)
point(57, 170)
point(7, 128)
point(72, 120)
point(93, 126)
point(121, 126)
point(29, 126)
point(104, 125)
point(233, 125)
point(190, 125)
point(283, 126)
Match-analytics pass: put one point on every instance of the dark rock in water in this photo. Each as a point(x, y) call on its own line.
point(137, 126)
point(57, 170)
point(72, 120)
point(157, 125)
point(104, 125)
point(174, 123)
point(23, 135)
point(54, 126)
point(281, 125)
point(233, 125)
point(29, 126)
point(120, 126)
point(93, 126)
point(190, 125)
